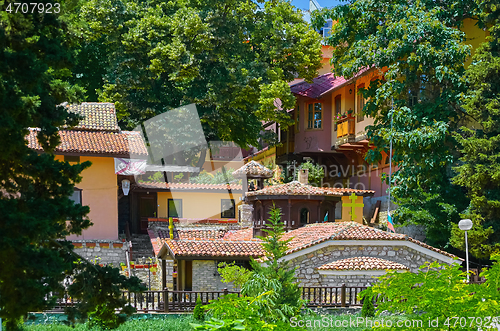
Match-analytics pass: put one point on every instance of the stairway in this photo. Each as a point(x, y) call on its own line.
point(141, 246)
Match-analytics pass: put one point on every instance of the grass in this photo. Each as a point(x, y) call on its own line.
point(181, 323)
point(153, 323)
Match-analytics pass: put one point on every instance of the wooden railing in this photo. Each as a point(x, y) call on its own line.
point(335, 296)
point(178, 301)
point(346, 126)
point(183, 301)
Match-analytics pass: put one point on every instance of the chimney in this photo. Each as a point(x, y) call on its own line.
point(304, 176)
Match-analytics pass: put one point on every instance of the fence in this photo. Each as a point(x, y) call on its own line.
point(182, 301)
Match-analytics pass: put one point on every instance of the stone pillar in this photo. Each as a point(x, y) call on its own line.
point(246, 211)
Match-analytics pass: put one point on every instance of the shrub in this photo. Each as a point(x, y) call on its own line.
point(199, 311)
point(368, 310)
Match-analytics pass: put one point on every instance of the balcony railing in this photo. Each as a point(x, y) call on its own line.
point(346, 126)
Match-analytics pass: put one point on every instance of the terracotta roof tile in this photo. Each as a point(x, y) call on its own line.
point(322, 85)
point(97, 116)
point(188, 186)
point(253, 169)
point(213, 248)
point(297, 188)
point(363, 263)
point(313, 234)
point(243, 234)
point(94, 142)
point(193, 234)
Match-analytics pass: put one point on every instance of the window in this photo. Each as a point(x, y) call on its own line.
point(72, 158)
point(314, 115)
point(228, 209)
point(361, 104)
point(338, 110)
point(76, 196)
point(175, 208)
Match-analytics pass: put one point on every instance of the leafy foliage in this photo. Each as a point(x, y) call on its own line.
point(270, 295)
point(232, 273)
point(315, 176)
point(222, 176)
point(98, 292)
point(276, 275)
point(438, 291)
point(233, 59)
point(420, 52)
point(479, 169)
point(223, 325)
point(368, 310)
point(199, 311)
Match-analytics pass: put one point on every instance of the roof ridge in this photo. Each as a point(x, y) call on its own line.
point(342, 230)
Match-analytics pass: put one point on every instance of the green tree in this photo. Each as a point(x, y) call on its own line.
point(439, 291)
point(315, 176)
point(35, 206)
point(233, 59)
point(270, 295)
point(275, 274)
point(419, 45)
point(479, 169)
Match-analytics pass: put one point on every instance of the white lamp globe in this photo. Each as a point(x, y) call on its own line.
point(465, 225)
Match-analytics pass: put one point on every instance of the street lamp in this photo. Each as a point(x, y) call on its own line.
point(466, 225)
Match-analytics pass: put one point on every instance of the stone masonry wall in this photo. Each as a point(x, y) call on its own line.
point(102, 251)
point(206, 277)
point(308, 275)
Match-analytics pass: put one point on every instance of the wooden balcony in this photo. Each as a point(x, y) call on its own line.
point(346, 127)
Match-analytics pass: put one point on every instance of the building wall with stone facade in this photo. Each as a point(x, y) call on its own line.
point(102, 251)
point(207, 278)
point(308, 263)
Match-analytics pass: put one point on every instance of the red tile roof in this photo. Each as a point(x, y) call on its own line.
point(322, 85)
point(213, 248)
point(97, 116)
point(313, 234)
point(188, 186)
point(363, 263)
point(253, 169)
point(240, 243)
point(297, 188)
point(243, 234)
point(94, 142)
point(193, 234)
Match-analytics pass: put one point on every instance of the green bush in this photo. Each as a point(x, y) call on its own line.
point(368, 310)
point(199, 311)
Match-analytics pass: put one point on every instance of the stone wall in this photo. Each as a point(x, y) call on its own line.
point(106, 252)
point(206, 277)
point(308, 275)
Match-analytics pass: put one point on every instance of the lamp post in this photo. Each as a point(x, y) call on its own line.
point(466, 225)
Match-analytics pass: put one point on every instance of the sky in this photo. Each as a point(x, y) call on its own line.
point(304, 4)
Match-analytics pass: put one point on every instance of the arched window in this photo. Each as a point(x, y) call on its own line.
point(304, 216)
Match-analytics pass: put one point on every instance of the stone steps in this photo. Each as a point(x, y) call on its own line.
point(141, 246)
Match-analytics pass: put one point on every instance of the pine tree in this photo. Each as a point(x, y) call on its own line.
point(276, 274)
point(36, 212)
point(479, 171)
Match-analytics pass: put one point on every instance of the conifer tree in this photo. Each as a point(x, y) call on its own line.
point(479, 171)
point(36, 212)
point(276, 274)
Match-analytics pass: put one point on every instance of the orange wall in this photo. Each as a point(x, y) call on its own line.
point(99, 192)
point(197, 205)
point(475, 36)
